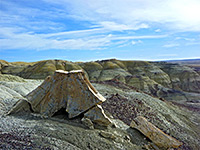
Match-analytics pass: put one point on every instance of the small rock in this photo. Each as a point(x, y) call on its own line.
point(98, 116)
point(21, 106)
point(107, 135)
point(127, 138)
point(87, 122)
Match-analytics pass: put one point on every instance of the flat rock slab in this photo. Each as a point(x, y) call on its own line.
point(154, 134)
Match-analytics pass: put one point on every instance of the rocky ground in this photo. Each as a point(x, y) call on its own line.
point(175, 120)
point(30, 131)
point(166, 94)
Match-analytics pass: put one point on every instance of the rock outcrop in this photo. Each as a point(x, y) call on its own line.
point(11, 78)
point(160, 79)
point(69, 90)
point(183, 78)
point(154, 134)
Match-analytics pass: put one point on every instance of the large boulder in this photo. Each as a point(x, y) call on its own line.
point(69, 90)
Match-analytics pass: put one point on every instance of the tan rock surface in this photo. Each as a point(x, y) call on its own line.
point(107, 135)
point(87, 122)
point(154, 134)
point(70, 90)
point(21, 105)
point(98, 116)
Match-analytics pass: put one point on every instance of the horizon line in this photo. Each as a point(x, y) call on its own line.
point(90, 60)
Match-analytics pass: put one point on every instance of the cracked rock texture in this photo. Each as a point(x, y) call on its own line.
point(153, 133)
point(69, 90)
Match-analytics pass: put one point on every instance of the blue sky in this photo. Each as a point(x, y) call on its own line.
point(85, 30)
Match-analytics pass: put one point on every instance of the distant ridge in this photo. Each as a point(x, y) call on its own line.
point(185, 61)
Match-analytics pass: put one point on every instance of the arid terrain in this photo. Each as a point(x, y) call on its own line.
point(166, 93)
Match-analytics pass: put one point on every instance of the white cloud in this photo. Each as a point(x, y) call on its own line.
point(171, 45)
point(178, 38)
point(133, 42)
point(138, 37)
point(38, 42)
point(188, 41)
point(158, 30)
point(175, 14)
point(11, 39)
point(15, 14)
point(113, 26)
point(110, 22)
point(126, 43)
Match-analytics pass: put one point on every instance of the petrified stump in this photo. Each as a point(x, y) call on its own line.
point(154, 134)
point(70, 90)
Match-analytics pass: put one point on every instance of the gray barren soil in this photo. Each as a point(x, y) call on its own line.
point(30, 131)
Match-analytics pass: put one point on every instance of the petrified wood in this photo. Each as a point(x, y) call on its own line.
point(154, 134)
point(70, 90)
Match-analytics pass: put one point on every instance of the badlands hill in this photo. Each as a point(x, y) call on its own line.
point(167, 94)
point(164, 80)
point(193, 63)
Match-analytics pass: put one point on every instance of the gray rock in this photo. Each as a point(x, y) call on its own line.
point(87, 122)
point(107, 135)
point(98, 116)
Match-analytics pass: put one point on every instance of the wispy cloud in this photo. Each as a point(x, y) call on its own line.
point(139, 37)
point(188, 40)
point(11, 39)
point(99, 25)
point(158, 30)
point(171, 45)
point(175, 14)
point(26, 27)
point(113, 26)
point(133, 42)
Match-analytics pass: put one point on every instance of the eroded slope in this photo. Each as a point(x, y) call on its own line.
point(160, 79)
